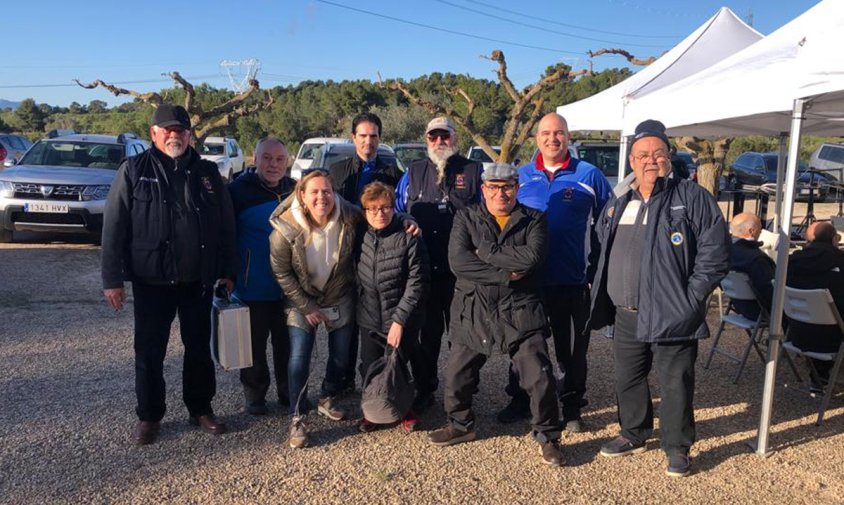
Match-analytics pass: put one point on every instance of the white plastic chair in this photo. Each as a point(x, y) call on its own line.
point(815, 306)
point(736, 285)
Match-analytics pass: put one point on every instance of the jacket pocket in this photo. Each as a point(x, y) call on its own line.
point(145, 260)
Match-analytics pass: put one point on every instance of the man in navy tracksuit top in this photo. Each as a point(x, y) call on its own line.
point(255, 196)
point(572, 193)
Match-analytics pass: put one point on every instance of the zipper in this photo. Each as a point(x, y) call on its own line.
point(248, 267)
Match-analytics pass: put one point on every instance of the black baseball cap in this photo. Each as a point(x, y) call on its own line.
point(171, 115)
point(650, 128)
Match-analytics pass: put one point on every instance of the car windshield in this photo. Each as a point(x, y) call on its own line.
point(603, 157)
point(479, 155)
point(213, 149)
point(309, 151)
point(771, 164)
point(74, 154)
point(408, 155)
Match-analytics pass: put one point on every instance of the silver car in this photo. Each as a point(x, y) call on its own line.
point(61, 184)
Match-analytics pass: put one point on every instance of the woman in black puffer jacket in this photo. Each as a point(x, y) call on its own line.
point(393, 277)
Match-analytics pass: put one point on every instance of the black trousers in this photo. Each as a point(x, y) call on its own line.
point(373, 345)
point(675, 366)
point(267, 321)
point(425, 359)
point(155, 308)
point(536, 376)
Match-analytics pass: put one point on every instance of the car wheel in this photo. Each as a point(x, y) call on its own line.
point(5, 236)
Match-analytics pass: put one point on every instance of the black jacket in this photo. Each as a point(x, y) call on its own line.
point(393, 278)
point(817, 266)
point(489, 311)
point(746, 257)
point(686, 255)
point(138, 222)
point(345, 175)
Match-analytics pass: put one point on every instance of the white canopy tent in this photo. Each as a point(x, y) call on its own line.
point(791, 80)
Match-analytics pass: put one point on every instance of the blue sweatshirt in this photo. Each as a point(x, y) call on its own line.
point(571, 198)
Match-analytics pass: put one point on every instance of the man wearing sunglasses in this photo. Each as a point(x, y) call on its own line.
point(432, 190)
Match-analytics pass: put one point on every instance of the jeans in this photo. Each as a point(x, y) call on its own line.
point(298, 368)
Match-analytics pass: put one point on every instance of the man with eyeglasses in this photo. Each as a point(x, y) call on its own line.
point(664, 248)
point(169, 229)
point(572, 193)
point(496, 249)
point(432, 190)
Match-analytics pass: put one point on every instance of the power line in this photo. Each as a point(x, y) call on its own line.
point(445, 30)
point(560, 23)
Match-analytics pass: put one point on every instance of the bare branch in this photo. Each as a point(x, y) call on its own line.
point(621, 52)
point(190, 92)
point(527, 126)
point(229, 117)
point(151, 97)
point(498, 57)
point(234, 101)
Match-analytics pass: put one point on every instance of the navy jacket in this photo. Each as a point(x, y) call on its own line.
point(686, 255)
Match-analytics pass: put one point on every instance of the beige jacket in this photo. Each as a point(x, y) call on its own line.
point(289, 264)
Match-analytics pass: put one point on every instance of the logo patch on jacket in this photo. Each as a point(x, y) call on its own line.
point(568, 193)
point(206, 182)
point(677, 238)
point(459, 181)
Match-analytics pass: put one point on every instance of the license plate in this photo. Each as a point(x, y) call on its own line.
point(48, 207)
point(804, 191)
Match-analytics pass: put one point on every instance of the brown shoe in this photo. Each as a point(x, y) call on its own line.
point(209, 424)
point(552, 454)
point(145, 432)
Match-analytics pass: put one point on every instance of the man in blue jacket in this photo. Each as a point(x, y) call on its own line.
point(572, 193)
point(255, 196)
point(664, 248)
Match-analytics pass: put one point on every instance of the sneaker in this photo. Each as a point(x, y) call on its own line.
point(620, 446)
point(679, 465)
point(326, 408)
point(449, 435)
point(298, 437)
point(552, 453)
point(366, 426)
point(409, 423)
point(516, 410)
point(422, 402)
point(575, 426)
point(257, 408)
point(815, 390)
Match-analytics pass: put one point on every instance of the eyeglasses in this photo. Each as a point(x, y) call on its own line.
point(442, 136)
point(495, 188)
point(375, 210)
point(658, 156)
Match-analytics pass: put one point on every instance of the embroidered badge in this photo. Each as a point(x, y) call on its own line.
point(148, 179)
point(677, 238)
point(206, 181)
point(610, 212)
point(568, 193)
point(459, 181)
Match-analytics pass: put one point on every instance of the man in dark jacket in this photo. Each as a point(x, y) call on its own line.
point(255, 196)
point(169, 229)
point(496, 250)
point(432, 191)
point(819, 265)
point(664, 248)
point(349, 176)
point(745, 256)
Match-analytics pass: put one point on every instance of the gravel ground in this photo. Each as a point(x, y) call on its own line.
point(66, 390)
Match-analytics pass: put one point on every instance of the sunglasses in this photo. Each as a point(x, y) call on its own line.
point(442, 136)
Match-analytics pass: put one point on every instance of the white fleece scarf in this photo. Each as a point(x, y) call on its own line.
point(322, 248)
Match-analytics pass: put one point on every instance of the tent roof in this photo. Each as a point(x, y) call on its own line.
point(753, 91)
point(720, 36)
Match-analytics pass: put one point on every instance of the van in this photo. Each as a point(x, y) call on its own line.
point(827, 157)
point(309, 150)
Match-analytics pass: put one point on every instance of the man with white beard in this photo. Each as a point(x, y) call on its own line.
point(432, 191)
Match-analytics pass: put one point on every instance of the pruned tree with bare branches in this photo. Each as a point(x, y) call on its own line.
point(205, 122)
point(522, 115)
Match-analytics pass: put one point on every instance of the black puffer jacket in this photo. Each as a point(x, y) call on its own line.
point(393, 277)
point(490, 311)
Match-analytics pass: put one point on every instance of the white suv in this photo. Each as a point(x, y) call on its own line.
point(309, 150)
point(226, 153)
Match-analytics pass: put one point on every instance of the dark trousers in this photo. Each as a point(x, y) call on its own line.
point(536, 376)
point(155, 309)
point(675, 367)
point(373, 345)
point(567, 308)
point(426, 355)
point(267, 321)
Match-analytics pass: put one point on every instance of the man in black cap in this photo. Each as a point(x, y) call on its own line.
point(169, 229)
point(664, 248)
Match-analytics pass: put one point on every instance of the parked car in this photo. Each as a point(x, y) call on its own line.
point(828, 157)
point(309, 150)
point(756, 169)
point(332, 153)
point(61, 184)
point(691, 166)
point(408, 153)
point(602, 154)
point(226, 153)
point(12, 148)
point(477, 154)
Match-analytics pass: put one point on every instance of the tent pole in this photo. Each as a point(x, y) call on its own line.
point(623, 148)
point(775, 335)
point(780, 180)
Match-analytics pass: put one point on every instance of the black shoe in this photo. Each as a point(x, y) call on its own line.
point(422, 402)
point(449, 435)
point(552, 453)
point(516, 410)
point(620, 446)
point(679, 465)
point(257, 408)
